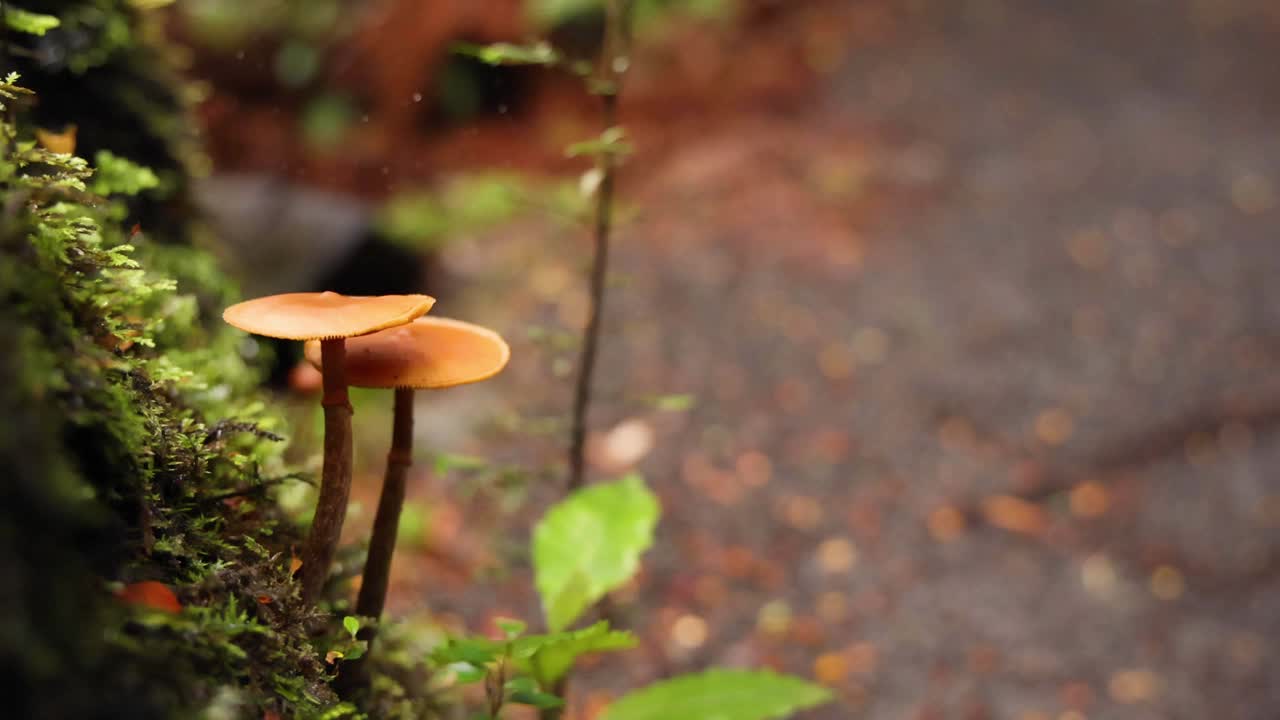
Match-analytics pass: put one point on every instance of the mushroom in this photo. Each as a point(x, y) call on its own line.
point(427, 353)
point(327, 319)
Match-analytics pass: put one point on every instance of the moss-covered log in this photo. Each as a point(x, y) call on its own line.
point(135, 446)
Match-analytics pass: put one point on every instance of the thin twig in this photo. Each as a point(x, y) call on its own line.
point(608, 86)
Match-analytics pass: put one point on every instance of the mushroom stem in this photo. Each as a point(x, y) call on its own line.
point(335, 481)
point(386, 524)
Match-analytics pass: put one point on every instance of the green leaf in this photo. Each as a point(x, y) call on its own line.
point(720, 695)
point(415, 521)
point(510, 627)
point(540, 53)
point(557, 655)
point(466, 673)
point(536, 698)
point(591, 543)
point(452, 461)
point(522, 682)
point(672, 403)
point(571, 597)
point(472, 651)
point(549, 13)
point(525, 690)
point(646, 15)
point(356, 650)
point(29, 22)
point(352, 625)
point(613, 141)
point(545, 657)
point(428, 218)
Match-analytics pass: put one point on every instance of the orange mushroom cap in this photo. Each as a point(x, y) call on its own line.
point(325, 315)
point(429, 352)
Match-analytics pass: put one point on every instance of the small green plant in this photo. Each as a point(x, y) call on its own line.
point(348, 647)
point(585, 546)
point(424, 219)
point(522, 669)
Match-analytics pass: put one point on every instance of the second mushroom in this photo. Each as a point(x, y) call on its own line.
point(427, 353)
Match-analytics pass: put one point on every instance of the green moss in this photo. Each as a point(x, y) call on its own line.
point(140, 450)
point(135, 440)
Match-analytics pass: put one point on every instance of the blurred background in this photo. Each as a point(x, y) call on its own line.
point(948, 331)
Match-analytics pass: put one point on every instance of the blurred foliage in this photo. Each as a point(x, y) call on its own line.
point(28, 22)
point(296, 63)
point(678, 402)
point(325, 120)
point(426, 219)
point(225, 24)
point(648, 14)
point(415, 523)
point(538, 53)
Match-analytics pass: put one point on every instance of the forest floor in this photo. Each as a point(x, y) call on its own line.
point(984, 334)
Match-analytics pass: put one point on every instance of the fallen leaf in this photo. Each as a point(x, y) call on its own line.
point(59, 142)
point(1014, 514)
point(151, 594)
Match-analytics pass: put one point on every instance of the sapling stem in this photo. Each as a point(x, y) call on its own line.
point(609, 70)
point(335, 479)
point(609, 75)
